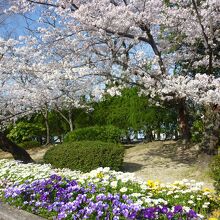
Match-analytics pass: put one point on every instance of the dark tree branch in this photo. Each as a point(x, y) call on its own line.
point(131, 36)
point(61, 114)
point(13, 115)
point(43, 3)
point(125, 1)
point(153, 44)
point(113, 2)
point(75, 7)
point(204, 36)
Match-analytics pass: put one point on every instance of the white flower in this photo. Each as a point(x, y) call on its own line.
point(204, 206)
point(106, 177)
point(123, 189)
point(143, 187)
point(105, 182)
point(106, 169)
point(186, 208)
point(190, 202)
point(96, 180)
point(114, 184)
point(200, 216)
point(138, 202)
point(169, 193)
point(136, 194)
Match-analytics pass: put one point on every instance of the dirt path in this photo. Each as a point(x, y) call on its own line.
point(36, 153)
point(165, 162)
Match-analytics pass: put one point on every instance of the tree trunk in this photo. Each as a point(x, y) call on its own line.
point(176, 135)
point(148, 136)
point(70, 120)
point(211, 134)
point(17, 152)
point(183, 122)
point(48, 132)
point(158, 131)
point(67, 119)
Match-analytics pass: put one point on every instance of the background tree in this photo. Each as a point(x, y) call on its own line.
point(133, 111)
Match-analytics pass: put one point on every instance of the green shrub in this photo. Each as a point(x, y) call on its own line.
point(197, 131)
point(86, 155)
point(29, 144)
point(25, 131)
point(215, 171)
point(97, 133)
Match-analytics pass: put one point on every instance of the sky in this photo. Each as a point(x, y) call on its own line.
point(13, 26)
point(16, 25)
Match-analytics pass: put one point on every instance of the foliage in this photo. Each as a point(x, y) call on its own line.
point(197, 131)
point(215, 171)
point(97, 133)
point(82, 118)
point(86, 155)
point(130, 110)
point(25, 131)
point(62, 193)
point(29, 144)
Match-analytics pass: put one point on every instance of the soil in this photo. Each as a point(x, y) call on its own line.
point(36, 153)
point(166, 161)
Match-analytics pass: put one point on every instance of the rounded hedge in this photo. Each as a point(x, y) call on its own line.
point(86, 155)
point(97, 133)
point(215, 171)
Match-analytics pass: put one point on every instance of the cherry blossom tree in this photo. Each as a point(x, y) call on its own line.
point(32, 82)
point(154, 44)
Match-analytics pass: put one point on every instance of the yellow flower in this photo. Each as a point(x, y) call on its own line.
point(216, 213)
point(153, 184)
point(208, 190)
point(212, 219)
point(100, 175)
point(150, 183)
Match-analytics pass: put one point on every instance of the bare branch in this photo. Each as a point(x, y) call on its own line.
point(125, 1)
point(204, 36)
point(131, 36)
point(75, 7)
point(61, 114)
point(153, 44)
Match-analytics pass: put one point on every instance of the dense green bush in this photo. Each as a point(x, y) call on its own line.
point(215, 171)
point(86, 155)
point(29, 144)
point(97, 133)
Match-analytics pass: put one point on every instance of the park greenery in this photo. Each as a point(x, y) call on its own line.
point(112, 119)
point(86, 155)
point(159, 58)
point(90, 76)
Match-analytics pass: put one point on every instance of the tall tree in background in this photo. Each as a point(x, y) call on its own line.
point(133, 111)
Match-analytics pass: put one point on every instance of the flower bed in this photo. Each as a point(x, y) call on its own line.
point(100, 194)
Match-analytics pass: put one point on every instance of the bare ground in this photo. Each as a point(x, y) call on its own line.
point(165, 161)
point(36, 153)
